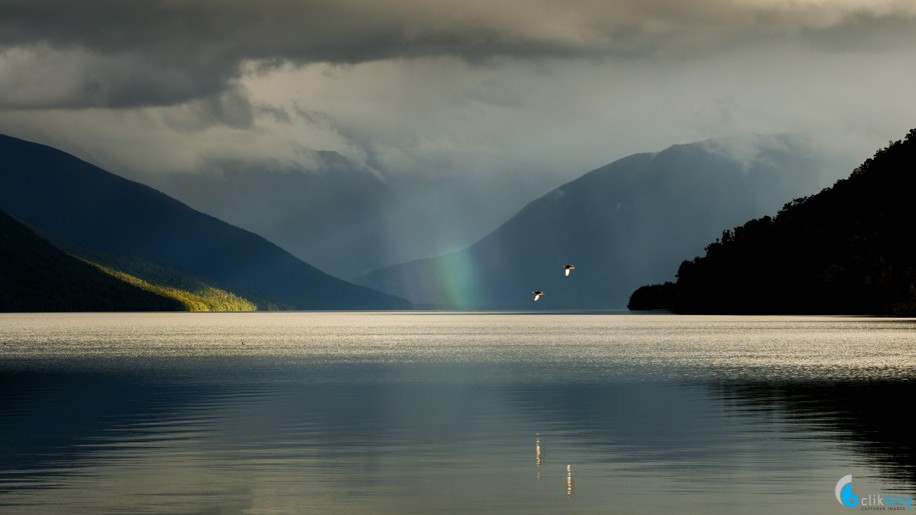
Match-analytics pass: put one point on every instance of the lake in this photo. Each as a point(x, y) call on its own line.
point(453, 413)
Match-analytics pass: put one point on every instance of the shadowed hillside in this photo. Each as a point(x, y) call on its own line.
point(846, 249)
point(87, 208)
point(331, 217)
point(36, 276)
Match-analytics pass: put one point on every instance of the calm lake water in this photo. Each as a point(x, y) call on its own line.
point(451, 413)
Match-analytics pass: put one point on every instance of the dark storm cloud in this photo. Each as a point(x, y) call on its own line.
point(116, 53)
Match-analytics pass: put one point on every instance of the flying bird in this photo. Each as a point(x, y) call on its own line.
point(568, 269)
point(537, 295)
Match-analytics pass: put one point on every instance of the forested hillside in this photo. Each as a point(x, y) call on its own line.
point(847, 249)
point(36, 276)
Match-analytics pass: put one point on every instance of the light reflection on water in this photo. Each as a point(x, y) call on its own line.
point(394, 413)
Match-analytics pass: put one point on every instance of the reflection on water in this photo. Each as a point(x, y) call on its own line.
point(419, 413)
point(869, 418)
point(538, 454)
point(570, 483)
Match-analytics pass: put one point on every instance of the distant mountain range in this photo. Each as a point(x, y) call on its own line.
point(90, 211)
point(845, 250)
point(348, 219)
point(622, 225)
point(36, 276)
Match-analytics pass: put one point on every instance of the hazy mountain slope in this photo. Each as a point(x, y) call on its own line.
point(846, 249)
point(620, 225)
point(36, 276)
point(80, 204)
point(347, 219)
point(330, 216)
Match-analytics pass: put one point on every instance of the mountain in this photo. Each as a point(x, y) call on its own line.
point(193, 293)
point(347, 218)
point(84, 207)
point(622, 225)
point(846, 249)
point(331, 216)
point(36, 276)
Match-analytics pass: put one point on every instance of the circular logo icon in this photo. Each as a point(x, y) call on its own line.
point(844, 493)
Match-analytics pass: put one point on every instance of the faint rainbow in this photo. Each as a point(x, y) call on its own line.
point(458, 280)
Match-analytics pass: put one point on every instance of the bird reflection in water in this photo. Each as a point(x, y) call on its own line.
point(570, 483)
point(538, 453)
point(539, 461)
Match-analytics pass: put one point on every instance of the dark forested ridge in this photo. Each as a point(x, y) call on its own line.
point(36, 276)
point(88, 209)
point(847, 249)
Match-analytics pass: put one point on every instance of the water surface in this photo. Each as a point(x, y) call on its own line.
point(454, 413)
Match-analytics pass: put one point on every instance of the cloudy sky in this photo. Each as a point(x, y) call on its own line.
point(529, 93)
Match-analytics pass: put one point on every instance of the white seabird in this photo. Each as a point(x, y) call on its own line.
point(537, 295)
point(568, 268)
